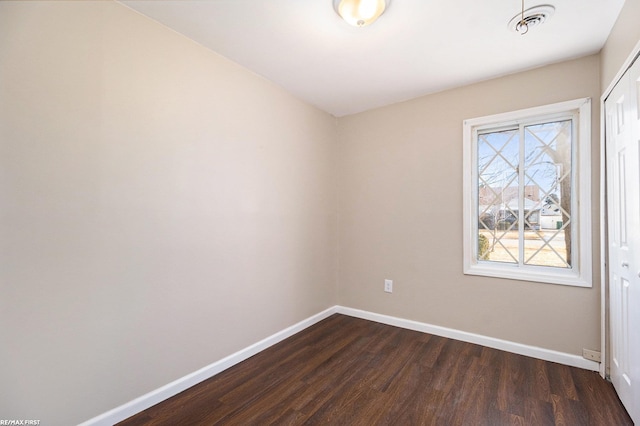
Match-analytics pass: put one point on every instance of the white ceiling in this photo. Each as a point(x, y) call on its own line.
point(417, 47)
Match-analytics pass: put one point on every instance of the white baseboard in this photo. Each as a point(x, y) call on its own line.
point(505, 345)
point(167, 391)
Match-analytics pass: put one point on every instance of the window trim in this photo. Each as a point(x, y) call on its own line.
point(580, 274)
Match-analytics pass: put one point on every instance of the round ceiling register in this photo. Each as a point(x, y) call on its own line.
point(533, 17)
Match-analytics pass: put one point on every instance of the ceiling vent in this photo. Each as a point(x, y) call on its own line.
point(530, 18)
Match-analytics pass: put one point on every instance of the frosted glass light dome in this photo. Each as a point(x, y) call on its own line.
point(360, 13)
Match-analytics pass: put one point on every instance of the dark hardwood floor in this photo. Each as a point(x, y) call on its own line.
point(348, 371)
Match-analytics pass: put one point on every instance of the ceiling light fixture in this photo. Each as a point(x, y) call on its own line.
point(360, 13)
point(532, 17)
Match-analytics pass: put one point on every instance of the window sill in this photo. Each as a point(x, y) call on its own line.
point(531, 273)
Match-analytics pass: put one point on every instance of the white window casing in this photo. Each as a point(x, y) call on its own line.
point(579, 273)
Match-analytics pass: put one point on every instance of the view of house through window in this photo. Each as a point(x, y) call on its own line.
point(524, 194)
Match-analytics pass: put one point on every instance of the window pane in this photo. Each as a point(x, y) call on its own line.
point(498, 157)
point(547, 203)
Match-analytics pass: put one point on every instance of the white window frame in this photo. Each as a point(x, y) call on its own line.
point(580, 273)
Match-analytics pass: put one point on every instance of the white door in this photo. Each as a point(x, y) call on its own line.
point(623, 210)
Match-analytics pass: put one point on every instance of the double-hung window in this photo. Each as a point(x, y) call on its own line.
point(527, 194)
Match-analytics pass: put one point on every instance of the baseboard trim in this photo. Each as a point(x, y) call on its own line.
point(505, 345)
point(167, 391)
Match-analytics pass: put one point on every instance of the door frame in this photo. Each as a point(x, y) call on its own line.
point(604, 220)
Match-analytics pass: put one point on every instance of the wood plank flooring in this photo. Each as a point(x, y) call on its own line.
point(348, 371)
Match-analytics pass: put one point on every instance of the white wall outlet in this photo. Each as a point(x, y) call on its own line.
point(388, 286)
point(592, 355)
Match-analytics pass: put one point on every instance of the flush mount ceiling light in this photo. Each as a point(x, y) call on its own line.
point(360, 13)
point(530, 18)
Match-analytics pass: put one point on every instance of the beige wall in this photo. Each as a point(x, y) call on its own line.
point(400, 215)
point(161, 208)
point(624, 36)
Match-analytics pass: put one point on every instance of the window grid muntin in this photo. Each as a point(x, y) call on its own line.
point(520, 125)
point(559, 178)
point(508, 177)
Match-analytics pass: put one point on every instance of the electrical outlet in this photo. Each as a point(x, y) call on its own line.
point(592, 355)
point(388, 286)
